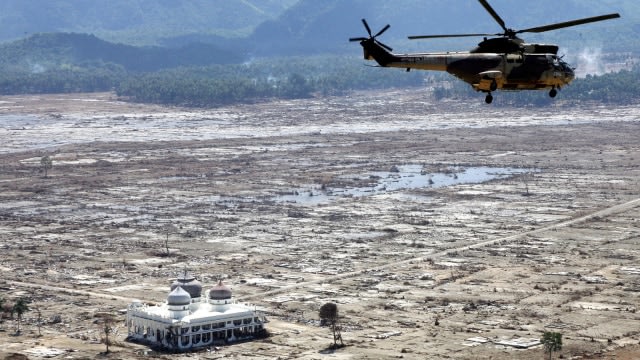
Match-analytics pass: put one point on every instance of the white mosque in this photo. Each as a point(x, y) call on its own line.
point(189, 321)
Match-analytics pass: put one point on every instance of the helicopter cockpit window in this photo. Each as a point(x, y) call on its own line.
point(553, 62)
point(554, 59)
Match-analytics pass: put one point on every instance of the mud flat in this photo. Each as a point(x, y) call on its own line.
point(441, 229)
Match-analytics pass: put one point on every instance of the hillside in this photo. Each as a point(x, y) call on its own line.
point(298, 27)
point(142, 22)
point(316, 27)
point(43, 51)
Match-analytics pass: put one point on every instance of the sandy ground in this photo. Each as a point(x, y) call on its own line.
point(441, 229)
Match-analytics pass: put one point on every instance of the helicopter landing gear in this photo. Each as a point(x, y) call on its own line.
point(489, 98)
point(553, 92)
point(493, 86)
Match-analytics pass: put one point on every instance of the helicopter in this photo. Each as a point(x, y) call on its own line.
point(503, 61)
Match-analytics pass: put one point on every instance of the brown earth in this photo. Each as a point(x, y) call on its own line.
point(440, 229)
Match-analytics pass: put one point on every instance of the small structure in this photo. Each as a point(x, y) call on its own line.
point(188, 320)
point(519, 343)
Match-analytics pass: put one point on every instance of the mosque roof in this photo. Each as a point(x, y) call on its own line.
point(179, 297)
point(189, 284)
point(220, 292)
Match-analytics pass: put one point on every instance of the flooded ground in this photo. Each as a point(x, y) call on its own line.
point(400, 178)
point(441, 229)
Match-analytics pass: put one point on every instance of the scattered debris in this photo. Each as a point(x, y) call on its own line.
point(45, 352)
point(475, 341)
point(519, 343)
point(388, 334)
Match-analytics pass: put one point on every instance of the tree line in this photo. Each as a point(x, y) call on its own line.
point(278, 78)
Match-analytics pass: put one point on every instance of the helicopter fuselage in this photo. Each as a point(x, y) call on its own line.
point(484, 71)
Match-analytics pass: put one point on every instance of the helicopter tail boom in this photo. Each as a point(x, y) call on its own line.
point(428, 61)
point(373, 51)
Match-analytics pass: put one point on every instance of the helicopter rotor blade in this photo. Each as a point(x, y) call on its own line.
point(416, 37)
point(358, 39)
point(494, 14)
point(539, 29)
point(384, 45)
point(383, 30)
point(366, 26)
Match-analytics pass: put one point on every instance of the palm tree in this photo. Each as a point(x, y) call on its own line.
point(20, 307)
point(329, 315)
point(552, 341)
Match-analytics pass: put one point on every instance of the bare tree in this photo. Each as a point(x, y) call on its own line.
point(2, 309)
point(46, 164)
point(107, 329)
point(168, 229)
point(39, 321)
point(329, 316)
point(166, 242)
point(526, 179)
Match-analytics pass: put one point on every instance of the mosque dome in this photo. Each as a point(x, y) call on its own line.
point(189, 284)
point(179, 297)
point(220, 292)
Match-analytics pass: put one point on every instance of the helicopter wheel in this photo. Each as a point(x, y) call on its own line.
point(489, 98)
point(553, 92)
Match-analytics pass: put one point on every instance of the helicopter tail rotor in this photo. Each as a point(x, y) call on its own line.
point(372, 38)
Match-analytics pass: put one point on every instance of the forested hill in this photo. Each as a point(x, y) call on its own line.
point(43, 51)
point(137, 22)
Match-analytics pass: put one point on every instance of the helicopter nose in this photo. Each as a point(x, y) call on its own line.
point(569, 74)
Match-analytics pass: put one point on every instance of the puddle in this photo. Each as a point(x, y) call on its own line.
point(404, 177)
